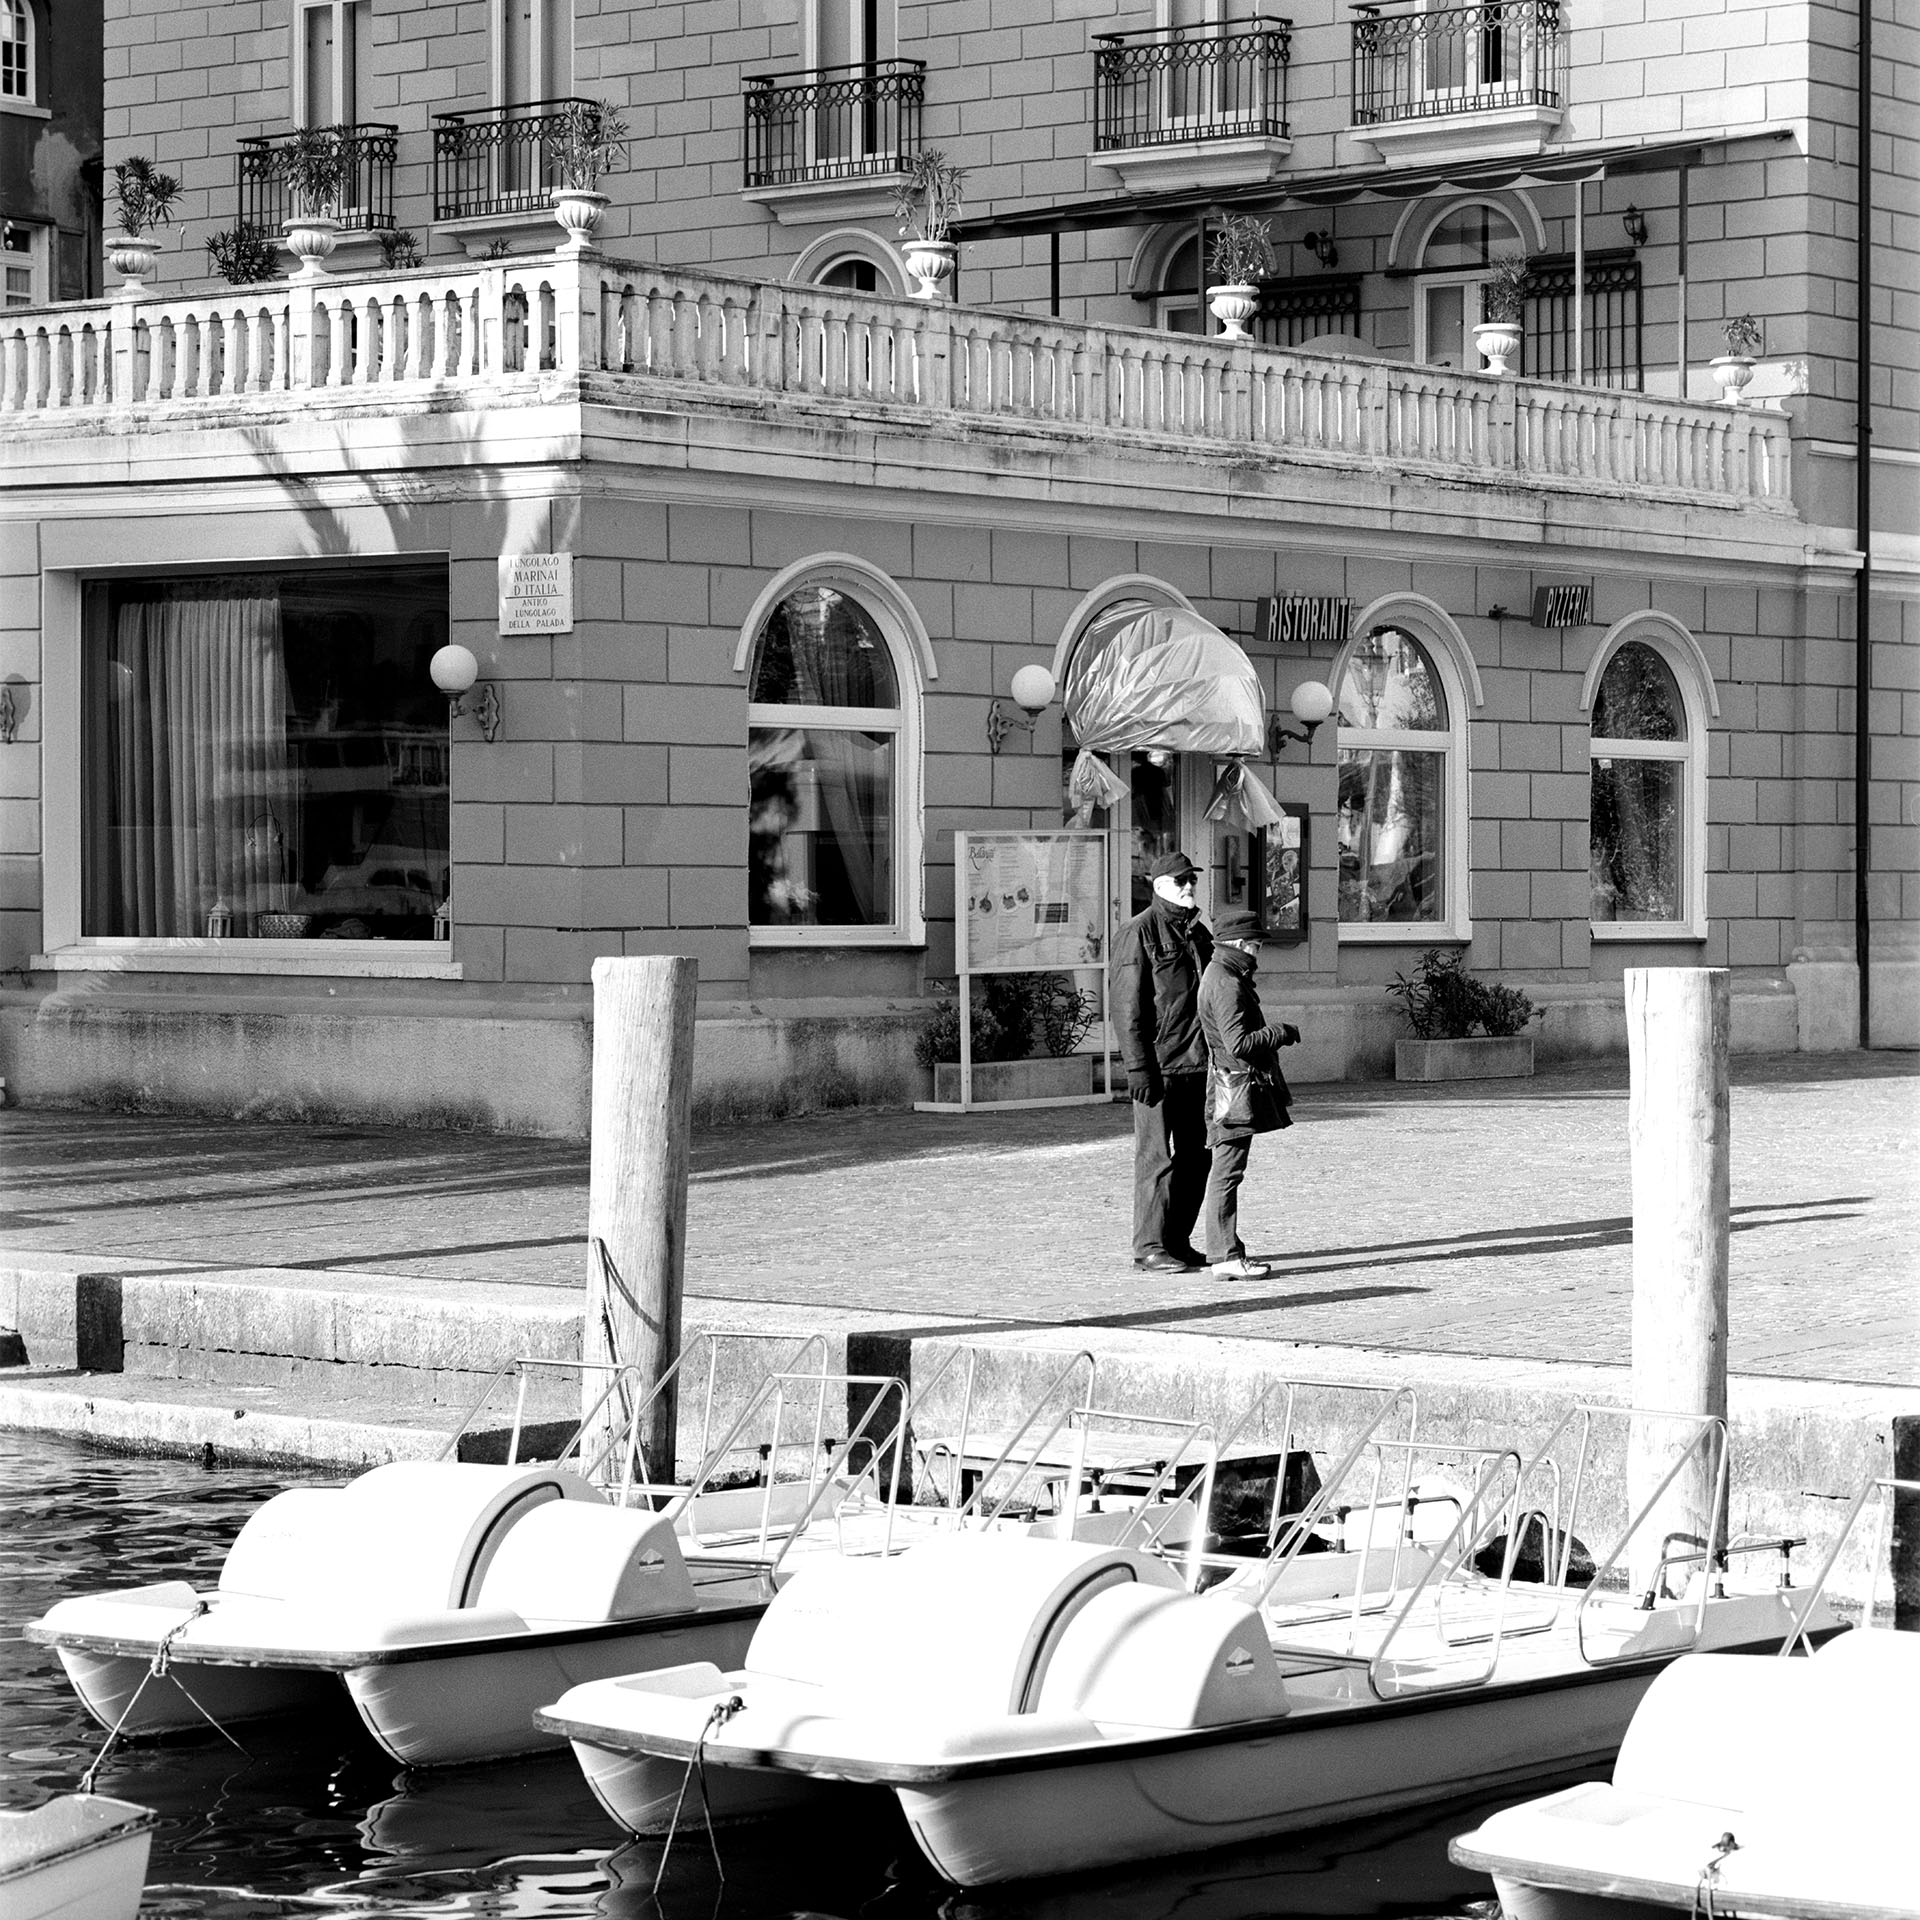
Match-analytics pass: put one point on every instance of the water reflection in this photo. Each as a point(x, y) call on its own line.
point(311, 1815)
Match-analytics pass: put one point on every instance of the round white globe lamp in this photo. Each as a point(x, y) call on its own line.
point(454, 671)
point(1033, 689)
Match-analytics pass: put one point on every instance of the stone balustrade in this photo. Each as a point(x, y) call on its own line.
point(615, 325)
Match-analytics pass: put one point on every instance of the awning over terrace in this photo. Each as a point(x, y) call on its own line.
point(1337, 185)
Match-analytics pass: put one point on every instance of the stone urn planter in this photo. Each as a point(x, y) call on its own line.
point(1498, 341)
point(311, 239)
point(580, 210)
point(1233, 306)
point(133, 258)
point(1733, 374)
point(1050, 1077)
point(1477, 1059)
point(930, 262)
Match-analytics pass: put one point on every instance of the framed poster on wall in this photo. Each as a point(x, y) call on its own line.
point(1029, 902)
point(1280, 874)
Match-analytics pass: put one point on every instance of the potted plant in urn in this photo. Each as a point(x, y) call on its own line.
point(1503, 303)
point(927, 206)
point(314, 166)
point(145, 197)
point(1464, 1029)
point(1733, 370)
point(588, 141)
point(1240, 254)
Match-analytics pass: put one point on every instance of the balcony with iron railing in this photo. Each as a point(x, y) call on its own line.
point(1192, 106)
point(364, 201)
point(495, 169)
point(833, 139)
point(553, 332)
point(1484, 79)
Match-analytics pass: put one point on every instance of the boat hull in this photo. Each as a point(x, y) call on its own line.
point(108, 1684)
point(1105, 1811)
point(102, 1884)
point(455, 1708)
point(1520, 1900)
point(641, 1792)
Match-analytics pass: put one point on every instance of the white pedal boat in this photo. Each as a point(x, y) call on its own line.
point(81, 1857)
point(1808, 1766)
point(1050, 1706)
point(451, 1598)
point(1043, 1707)
point(1778, 1788)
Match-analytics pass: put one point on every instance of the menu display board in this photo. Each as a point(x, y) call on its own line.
point(1031, 902)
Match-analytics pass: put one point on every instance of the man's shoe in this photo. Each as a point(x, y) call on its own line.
point(1240, 1268)
point(1189, 1257)
point(1162, 1263)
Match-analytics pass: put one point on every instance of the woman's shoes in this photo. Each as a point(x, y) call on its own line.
point(1240, 1268)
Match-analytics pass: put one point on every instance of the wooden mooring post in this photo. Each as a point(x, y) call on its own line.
point(637, 1197)
point(1678, 1020)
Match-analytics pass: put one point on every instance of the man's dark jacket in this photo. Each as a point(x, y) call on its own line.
point(1157, 964)
point(1236, 1034)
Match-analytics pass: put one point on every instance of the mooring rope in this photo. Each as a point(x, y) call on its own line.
point(697, 1764)
point(1709, 1881)
point(157, 1669)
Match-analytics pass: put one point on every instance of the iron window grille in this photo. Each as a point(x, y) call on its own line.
point(364, 203)
point(500, 159)
point(837, 123)
point(1291, 311)
point(1410, 66)
point(1612, 347)
point(1217, 82)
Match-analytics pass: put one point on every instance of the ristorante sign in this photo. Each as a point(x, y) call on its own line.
point(1301, 620)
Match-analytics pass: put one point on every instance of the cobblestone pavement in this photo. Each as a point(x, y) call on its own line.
point(1490, 1219)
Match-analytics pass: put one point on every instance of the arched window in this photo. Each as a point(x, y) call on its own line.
point(1401, 708)
point(1462, 246)
point(17, 53)
point(857, 276)
point(831, 750)
point(1647, 788)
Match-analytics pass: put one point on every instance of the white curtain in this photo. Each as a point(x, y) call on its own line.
point(200, 814)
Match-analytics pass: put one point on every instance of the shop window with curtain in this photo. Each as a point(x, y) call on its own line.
point(1394, 743)
point(265, 756)
point(1637, 834)
point(824, 720)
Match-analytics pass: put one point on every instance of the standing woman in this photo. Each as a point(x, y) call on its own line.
point(1246, 1091)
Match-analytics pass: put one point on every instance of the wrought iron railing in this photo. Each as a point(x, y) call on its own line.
point(1407, 66)
point(1215, 82)
point(500, 159)
point(364, 203)
point(838, 123)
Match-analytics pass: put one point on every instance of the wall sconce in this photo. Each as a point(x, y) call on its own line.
point(454, 671)
point(1635, 224)
point(1321, 246)
point(1312, 702)
point(1033, 692)
point(9, 716)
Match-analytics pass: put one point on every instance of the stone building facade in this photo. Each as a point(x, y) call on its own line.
point(730, 423)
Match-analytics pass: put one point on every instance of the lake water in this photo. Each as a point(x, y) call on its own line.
point(313, 1816)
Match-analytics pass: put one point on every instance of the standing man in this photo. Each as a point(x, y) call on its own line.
point(1157, 963)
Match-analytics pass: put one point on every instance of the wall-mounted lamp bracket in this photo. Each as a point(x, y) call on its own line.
point(9, 716)
point(1001, 722)
point(1320, 245)
point(1279, 734)
point(485, 709)
point(1634, 223)
point(1499, 613)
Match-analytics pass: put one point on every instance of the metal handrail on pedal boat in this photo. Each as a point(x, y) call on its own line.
point(1710, 1435)
point(1888, 1487)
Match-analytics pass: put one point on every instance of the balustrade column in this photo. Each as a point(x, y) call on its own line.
point(576, 316)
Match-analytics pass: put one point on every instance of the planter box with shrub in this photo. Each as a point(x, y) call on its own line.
point(1464, 1029)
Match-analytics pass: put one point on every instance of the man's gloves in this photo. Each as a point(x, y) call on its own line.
point(1143, 1086)
point(1289, 1034)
